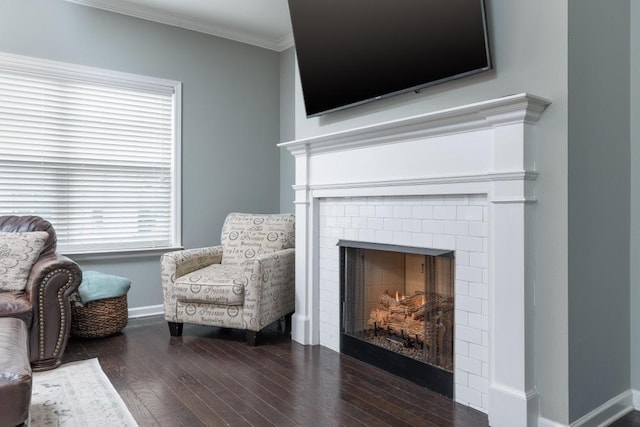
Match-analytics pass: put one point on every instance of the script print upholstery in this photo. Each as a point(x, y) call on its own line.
point(255, 286)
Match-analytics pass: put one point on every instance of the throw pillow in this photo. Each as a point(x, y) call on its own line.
point(18, 252)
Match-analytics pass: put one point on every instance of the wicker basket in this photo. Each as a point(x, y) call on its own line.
point(99, 318)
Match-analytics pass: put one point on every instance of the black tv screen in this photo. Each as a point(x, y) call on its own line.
point(354, 51)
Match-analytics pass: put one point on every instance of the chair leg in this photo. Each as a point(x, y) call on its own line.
point(175, 329)
point(287, 324)
point(252, 337)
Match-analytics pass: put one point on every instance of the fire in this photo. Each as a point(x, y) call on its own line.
point(397, 297)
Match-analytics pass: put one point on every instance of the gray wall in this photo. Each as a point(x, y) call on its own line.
point(635, 196)
point(529, 41)
point(599, 209)
point(287, 128)
point(230, 161)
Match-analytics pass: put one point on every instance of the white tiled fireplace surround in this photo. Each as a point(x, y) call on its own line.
point(461, 179)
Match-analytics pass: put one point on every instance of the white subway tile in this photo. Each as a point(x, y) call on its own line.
point(468, 364)
point(479, 259)
point(459, 228)
point(352, 210)
point(462, 317)
point(384, 211)
point(461, 347)
point(477, 382)
point(359, 222)
point(470, 304)
point(462, 258)
point(444, 241)
point(478, 290)
point(402, 238)
point(461, 287)
point(479, 321)
point(478, 352)
point(403, 211)
point(468, 396)
point(423, 240)
point(478, 229)
point(412, 225)
point(375, 223)
point(433, 226)
point(468, 334)
point(470, 213)
point(422, 212)
point(444, 212)
point(384, 236)
point(368, 211)
point(367, 235)
point(461, 377)
point(468, 243)
point(392, 224)
point(470, 274)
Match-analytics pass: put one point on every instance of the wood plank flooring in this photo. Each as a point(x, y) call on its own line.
point(210, 377)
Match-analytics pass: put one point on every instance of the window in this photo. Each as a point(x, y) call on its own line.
point(94, 152)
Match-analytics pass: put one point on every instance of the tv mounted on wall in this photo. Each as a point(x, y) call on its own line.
point(355, 51)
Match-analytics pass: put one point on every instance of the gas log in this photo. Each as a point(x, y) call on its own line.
point(405, 316)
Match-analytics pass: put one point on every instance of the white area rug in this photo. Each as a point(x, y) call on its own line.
point(77, 394)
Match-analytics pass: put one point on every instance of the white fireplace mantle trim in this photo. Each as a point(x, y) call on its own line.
point(518, 108)
point(486, 148)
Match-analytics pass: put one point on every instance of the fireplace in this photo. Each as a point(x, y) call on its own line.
point(398, 310)
point(461, 179)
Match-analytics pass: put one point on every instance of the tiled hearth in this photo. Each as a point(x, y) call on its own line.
point(461, 179)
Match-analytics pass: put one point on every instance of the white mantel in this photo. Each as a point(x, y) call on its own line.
point(486, 148)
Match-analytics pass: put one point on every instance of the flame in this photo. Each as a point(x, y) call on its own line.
point(424, 300)
point(397, 297)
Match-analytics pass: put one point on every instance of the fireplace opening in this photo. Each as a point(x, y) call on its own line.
point(398, 310)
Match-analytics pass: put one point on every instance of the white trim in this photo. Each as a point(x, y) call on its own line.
point(520, 108)
point(608, 412)
point(149, 310)
point(65, 70)
point(544, 422)
point(277, 44)
point(636, 399)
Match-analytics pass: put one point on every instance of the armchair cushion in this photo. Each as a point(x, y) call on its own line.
point(245, 236)
point(18, 253)
point(215, 284)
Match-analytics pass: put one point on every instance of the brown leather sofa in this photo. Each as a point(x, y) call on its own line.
point(44, 304)
point(15, 373)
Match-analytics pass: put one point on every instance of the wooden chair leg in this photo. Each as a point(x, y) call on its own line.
point(175, 329)
point(252, 337)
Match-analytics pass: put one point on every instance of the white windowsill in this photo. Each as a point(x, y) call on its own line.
point(120, 254)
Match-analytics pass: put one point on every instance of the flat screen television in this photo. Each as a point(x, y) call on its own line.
point(355, 51)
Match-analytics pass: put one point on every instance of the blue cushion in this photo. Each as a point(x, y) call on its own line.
point(96, 285)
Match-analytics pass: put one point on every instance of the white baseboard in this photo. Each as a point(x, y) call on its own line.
point(603, 415)
point(543, 422)
point(608, 412)
point(150, 310)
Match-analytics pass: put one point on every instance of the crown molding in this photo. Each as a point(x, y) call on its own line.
point(127, 8)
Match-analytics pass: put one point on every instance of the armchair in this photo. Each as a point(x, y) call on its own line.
point(247, 282)
point(43, 303)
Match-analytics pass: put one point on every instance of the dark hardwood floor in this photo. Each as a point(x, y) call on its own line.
point(211, 377)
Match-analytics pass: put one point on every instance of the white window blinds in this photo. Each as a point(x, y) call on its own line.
point(93, 152)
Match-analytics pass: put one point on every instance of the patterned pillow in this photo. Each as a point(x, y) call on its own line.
point(18, 252)
point(245, 236)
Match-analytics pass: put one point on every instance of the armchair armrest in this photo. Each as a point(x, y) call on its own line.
point(269, 288)
point(52, 280)
point(178, 263)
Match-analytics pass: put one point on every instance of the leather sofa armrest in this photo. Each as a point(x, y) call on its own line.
point(52, 280)
point(269, 288)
